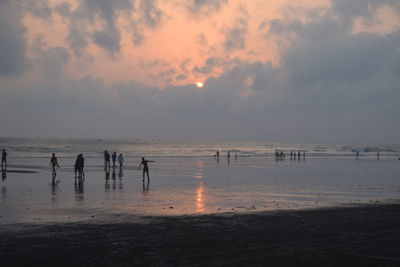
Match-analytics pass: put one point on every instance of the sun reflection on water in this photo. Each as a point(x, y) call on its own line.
point(200, 197)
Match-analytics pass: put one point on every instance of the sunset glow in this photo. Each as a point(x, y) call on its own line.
point(252, 64)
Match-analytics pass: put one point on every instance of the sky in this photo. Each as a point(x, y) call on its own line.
point(316, 71)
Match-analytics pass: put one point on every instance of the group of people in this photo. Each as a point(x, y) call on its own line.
point(228, 155)
point(114, 157)
point(80, 163)
point(78, 167)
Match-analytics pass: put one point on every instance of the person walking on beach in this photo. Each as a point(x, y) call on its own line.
point(4, 159)
point(114, 158)
point(120, 159)
point(106, 159)
point(54, 162)
point(145, 167)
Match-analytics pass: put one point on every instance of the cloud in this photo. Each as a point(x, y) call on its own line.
point(151, 14)
point(77, 39)
point(64, 9)
point(51, 62)
point(38, 8)
point(205, 8)
point(235, 37)
point(108, 39)
point(13, 59)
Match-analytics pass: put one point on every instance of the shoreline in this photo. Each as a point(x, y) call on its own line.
point(360, 234)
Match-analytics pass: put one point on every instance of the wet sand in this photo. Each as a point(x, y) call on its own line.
point(362, 235)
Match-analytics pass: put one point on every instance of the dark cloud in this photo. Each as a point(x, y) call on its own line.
point(209, 66)
point(38, 8)
point(151, 14)
point(235, 37)
point(108, 39)
point(64, 9)
point(348, 10)
point(77, 39)
point(13, 59)
point(52, 61)
point(106, 9)
point(205, 7)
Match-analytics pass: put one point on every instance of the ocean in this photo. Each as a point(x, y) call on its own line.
point(187, 178)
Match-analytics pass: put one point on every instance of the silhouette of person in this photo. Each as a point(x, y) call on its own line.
point(54, 163)
point(145, 167)
point(120, 160)
point(229, 154)
point(377, 155)
point(114, 158)
point(217, 153)
point(4, 158)
point(76, 165)
point(357, 154)
point(79, 165)
point(106, 159)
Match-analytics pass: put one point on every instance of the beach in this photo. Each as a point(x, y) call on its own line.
point(326, 208)
point(362, 235)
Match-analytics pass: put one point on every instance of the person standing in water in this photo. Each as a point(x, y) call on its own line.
point(120, 159)
point(3, 159)
point(145, 167)
point(114, 158)
point(79, 165)
point(106, 159)
point(54, 162)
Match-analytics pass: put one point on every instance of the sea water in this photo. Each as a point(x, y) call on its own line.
point(187, 178)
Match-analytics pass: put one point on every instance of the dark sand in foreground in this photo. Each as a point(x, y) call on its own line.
point(366, 235)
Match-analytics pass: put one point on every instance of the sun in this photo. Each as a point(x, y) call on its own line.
point(199, 84)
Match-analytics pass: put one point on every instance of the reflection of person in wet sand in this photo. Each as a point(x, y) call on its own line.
point(107, 172)
point(146, 187)
point(54, 163)
point(79, 190)
point(145, 167)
